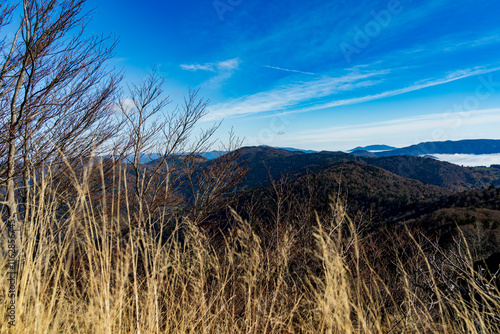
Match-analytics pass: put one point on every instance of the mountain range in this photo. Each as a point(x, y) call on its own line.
point(399, 190)
point(472, 146)
point(469, 146)
point(268, 162)
point(442, 199)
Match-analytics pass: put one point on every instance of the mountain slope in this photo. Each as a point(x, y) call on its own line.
point(266, 163)
point(366, 188)
point(475, 212)
point(431, 171)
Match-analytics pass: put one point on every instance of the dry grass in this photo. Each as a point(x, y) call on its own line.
point(90, 267)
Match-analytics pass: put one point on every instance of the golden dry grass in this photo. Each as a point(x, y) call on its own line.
point(88, 267)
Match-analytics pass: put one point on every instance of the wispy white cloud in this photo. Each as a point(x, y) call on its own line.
point(223, 70)
point(225, 65)
point(449, 77)
point(459, 42)
point(288, 70)
point(231, 64)
point(394, 127)
point(293, 95)
point(447, 44)
point(198, 67)
point(300, 96)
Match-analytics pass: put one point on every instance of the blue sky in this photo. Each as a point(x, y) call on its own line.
point(321, 75)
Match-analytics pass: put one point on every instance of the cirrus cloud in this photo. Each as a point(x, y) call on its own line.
point(223, 70)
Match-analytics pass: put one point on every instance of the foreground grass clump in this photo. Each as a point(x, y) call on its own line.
point(91, 266)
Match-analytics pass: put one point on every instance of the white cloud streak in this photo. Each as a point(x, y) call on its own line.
point(453, 76)
point(198, 67)
point(292, 95)
point(289, 70)
point(297, 95)
point(226, 65)
point(223, 70)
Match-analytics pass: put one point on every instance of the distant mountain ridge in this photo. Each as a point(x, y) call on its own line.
point(427, 149)
point(271, 162)
point(373, 148)
point(291, 149)
point(467, 146)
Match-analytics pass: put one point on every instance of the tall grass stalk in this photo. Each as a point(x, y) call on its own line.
point(90, 266)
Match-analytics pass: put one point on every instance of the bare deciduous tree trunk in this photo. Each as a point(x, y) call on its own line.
point(56, 97)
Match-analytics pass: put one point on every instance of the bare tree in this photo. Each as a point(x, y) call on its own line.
point(156, 134)
point(176, 175)
point(56, 94)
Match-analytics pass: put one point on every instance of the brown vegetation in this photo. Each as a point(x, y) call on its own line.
point(82, 273)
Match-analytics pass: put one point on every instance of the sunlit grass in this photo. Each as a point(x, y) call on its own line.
point(90, 267)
